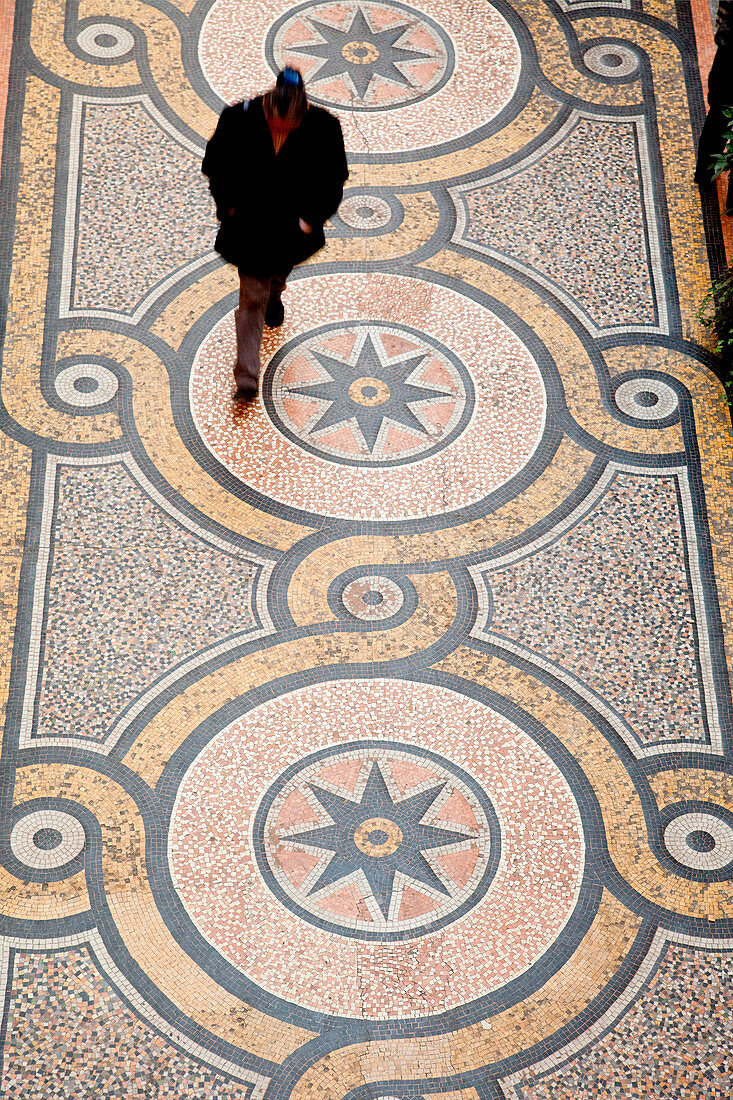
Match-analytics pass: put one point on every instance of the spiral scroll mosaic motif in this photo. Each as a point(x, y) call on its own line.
point(371, 739)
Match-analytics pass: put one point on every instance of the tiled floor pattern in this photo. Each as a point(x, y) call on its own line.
point(371, 741)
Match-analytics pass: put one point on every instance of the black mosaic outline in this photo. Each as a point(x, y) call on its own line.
point(259, 835)
point(435, 27)
point(691, 759)
point(366, 322)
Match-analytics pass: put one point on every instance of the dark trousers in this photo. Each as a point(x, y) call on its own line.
point(255, 294)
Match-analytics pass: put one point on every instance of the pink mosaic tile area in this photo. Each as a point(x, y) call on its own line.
point(497, 440)
point(306, 39)
point(372, 597)
point(216, 872)
point(456, 864)
point(426, 108)
point(368, 736)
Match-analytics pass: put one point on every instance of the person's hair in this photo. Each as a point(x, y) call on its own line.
point(287, 100)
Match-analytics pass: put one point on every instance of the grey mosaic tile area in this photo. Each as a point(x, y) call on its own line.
point(131, 595)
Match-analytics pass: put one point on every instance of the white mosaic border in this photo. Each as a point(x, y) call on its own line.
point(73, 839)
point(648, 197)
point(710, 701)
point(141, 1006)
point(612, 1015)
point(579, 5)
point(66, 308)
point(34, 671)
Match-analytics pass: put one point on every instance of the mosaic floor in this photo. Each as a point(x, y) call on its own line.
point(371, 741)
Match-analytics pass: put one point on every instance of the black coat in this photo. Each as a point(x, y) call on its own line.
point(270, 192)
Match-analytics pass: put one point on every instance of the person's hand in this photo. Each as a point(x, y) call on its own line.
point(304, 227)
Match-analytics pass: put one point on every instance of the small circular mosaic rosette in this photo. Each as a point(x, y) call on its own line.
point(400, 79)
point(352, 873)
point(365, 417)
point(372, 598)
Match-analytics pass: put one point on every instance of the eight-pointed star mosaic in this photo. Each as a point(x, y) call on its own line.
point(370, 390)
point(191, 982)
point(359, 54)
point(379, 836)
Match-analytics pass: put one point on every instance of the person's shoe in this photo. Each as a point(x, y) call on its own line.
point(244, 393)
point(274, 314)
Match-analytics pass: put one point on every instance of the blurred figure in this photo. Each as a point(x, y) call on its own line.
point(720, 95)
point(277, 167)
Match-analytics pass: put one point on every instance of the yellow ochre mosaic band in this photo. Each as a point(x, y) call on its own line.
point(58, 73)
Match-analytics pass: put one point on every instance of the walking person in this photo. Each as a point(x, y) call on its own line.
point(276, 167)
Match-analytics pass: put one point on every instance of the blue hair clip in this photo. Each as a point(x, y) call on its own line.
point(291, 76)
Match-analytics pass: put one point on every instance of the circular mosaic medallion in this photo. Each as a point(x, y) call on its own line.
point(363, 56)
point(105, 40)
point(373, 598)
point(647, 398)
point(701, 841)
point(371, 876)
point(365, 418)
point(46, 839)
point(373, 862)
point(368, 394)
point(365, 212)
point(86, 385)
point(613, 60)
point(438, 78)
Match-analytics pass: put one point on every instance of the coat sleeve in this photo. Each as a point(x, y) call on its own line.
point(217, 163)
point(332, 172)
